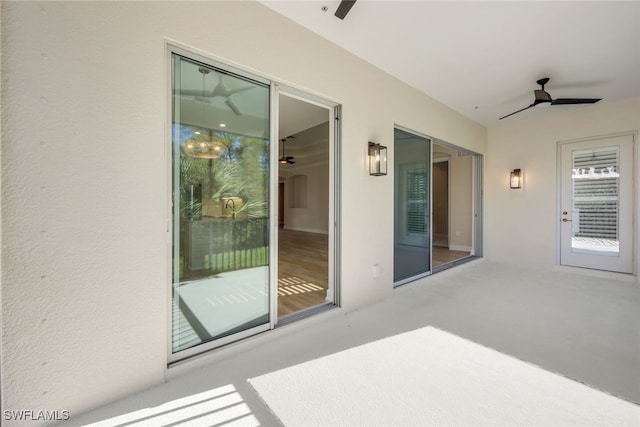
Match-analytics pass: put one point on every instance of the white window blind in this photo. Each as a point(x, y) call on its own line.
point(595, 193)
point(416, 202)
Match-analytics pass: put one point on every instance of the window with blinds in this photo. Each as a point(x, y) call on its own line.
point(595, 193)
point(417, 201)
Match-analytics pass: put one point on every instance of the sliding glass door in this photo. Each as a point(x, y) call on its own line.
point(412, 222)
point(221, 169)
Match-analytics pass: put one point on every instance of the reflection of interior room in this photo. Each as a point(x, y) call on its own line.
point(303, 207)
point(452, 205)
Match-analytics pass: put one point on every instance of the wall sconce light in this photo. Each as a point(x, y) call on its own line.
point(377, 159)
point(516, 179)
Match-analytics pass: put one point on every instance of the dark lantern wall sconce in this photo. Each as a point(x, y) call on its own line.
point(515, 180)
point(377, 159)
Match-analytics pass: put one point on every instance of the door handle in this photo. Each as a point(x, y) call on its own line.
point(566, 220)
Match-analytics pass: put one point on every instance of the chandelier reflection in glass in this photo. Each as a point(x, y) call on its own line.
point(203, 146)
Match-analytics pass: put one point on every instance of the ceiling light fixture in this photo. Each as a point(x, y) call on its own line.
point(204, 146)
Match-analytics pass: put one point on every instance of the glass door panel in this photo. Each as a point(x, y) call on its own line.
point(595, 179)
point(596, 218)
point(412, 199)
point(220, 146)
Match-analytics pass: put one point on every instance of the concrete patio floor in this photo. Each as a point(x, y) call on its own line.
point(579, 324)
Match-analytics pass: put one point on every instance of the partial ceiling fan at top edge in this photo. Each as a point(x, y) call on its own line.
point(343, 8)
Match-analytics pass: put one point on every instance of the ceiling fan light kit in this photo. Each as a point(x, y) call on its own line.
point(543, 98)
point(286, 159)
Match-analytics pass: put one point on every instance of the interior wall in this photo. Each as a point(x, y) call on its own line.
point(461, 204)
point(310, 150)
point(521, 225)
point(314, 217)
point(440, 206)
point(85, 179)
point(461, 198)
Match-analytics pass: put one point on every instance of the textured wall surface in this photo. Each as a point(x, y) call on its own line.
point(85, 247)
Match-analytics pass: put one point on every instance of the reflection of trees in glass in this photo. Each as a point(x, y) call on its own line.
point(241, 171)
point(218, 235)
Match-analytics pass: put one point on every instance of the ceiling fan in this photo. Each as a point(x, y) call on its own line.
point(343, 8)
point(219, 91)
point(542, 97)
point(286, 159)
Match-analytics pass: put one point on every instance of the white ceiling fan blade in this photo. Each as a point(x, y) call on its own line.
point(241, 89)
point(233, 107)
point(190, 92)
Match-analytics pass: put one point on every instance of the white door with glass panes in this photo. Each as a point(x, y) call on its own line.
point(596, 210)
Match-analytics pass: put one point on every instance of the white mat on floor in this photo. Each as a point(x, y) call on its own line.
point(430, 377)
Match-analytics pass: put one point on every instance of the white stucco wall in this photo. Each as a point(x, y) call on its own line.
point(521, 225)
point(85, 243)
